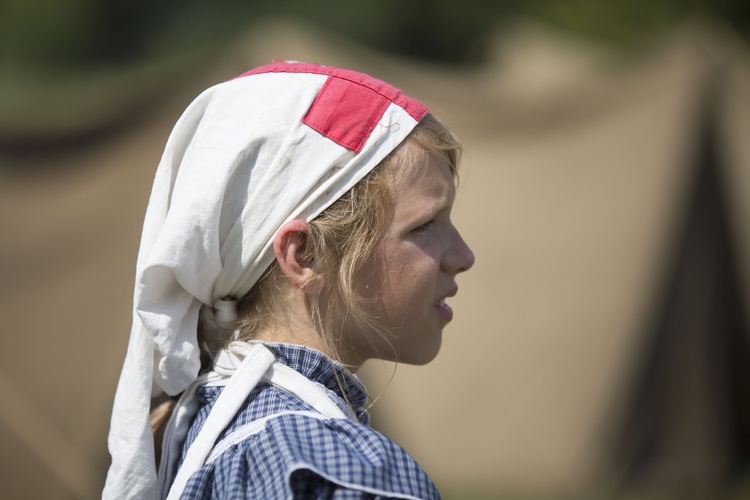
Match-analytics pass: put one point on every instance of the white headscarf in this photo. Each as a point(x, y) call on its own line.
point(279, 143)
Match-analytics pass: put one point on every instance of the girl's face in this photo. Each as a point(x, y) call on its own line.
point(415, 266)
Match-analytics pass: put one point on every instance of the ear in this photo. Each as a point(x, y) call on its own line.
point(291, 246)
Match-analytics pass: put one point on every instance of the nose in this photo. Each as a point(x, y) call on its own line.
point(460, 258)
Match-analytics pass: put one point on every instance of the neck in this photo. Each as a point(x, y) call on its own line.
point(312, 339)
point(300, 335)
point(293, 324)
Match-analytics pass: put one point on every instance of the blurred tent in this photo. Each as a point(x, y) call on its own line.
point(607, 347)
point(600, 344)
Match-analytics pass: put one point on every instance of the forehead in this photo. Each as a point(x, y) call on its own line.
point(411, 163)
point(427, 179)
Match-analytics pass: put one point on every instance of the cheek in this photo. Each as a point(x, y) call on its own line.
point(407, 268)
point(400, 278)
point(398, 263)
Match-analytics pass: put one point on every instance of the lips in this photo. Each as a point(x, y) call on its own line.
point(444, 309)
point(450, 293)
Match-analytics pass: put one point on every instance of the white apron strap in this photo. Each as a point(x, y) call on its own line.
point(258, 363)
point(247, 376)
point(305, 389)
point(176, 431)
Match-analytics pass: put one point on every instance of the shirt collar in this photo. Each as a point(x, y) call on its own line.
point(319, 368)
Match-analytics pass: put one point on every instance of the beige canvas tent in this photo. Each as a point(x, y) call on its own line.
point(599, 342)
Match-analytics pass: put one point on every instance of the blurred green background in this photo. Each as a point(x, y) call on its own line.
point(44, 34)
point(70, 67)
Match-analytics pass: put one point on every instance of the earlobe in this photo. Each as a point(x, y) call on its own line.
point(293, 253)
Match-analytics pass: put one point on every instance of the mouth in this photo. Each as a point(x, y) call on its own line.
point(444, 310)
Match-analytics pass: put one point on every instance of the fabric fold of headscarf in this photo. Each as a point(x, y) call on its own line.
point(278, 143)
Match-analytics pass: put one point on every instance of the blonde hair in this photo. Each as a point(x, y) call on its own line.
point(344, 237)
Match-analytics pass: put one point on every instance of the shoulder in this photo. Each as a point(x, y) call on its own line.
point(297, 455)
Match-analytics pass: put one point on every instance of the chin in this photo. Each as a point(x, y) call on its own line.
point(424, 355)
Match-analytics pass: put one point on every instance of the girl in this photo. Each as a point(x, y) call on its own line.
point(299, 225)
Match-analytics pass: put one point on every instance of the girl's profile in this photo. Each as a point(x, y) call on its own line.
point(299, 225)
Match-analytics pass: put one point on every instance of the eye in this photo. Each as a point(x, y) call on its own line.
point(423, 227)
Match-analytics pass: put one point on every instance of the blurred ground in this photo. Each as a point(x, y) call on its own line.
point(579, 166)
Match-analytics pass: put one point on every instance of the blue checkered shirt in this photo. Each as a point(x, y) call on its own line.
point(297, 456)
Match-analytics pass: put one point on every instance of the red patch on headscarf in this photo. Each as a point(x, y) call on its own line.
point(346, 112)
point(349, 105)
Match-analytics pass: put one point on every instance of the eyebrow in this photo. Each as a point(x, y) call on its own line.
point(444, 204)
